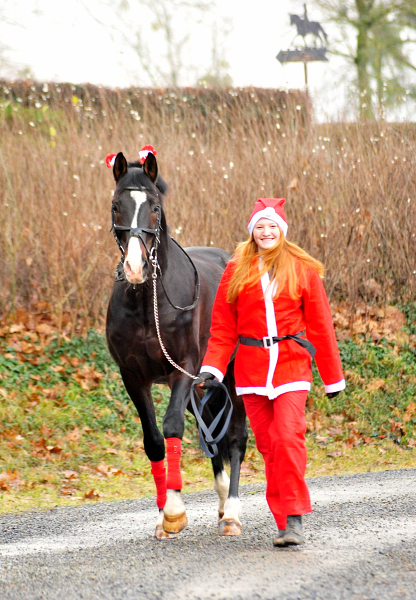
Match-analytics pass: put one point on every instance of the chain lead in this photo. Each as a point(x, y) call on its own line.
point(156, 311)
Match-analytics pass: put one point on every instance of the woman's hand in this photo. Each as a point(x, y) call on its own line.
point(205, 380)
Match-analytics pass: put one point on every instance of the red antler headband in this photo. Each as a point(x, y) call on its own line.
point(110, 158)
point(145, 151)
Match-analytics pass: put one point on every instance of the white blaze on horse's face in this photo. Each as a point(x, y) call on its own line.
point(133, 263)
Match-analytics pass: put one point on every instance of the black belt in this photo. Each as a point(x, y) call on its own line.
point(269, 341)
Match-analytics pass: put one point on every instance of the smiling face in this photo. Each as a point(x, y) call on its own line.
point(266, 234)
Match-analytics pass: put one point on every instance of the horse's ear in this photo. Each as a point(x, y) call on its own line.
point(120, 167)
point(150, 167)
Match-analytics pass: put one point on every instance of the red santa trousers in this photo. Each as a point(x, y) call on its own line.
point(279, 429)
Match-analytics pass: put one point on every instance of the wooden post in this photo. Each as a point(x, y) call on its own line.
point(305, 66)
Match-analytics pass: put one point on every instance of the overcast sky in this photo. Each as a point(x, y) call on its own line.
point(63, 41)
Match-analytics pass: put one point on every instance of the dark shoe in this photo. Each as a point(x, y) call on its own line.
point(279, 541)
point(292, 535)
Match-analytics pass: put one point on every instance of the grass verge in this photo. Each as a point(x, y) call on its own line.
point(69, 434)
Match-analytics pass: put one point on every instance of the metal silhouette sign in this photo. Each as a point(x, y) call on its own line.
point(305, 54)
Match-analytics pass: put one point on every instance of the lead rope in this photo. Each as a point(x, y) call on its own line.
point(156, 312)
point(209, 444)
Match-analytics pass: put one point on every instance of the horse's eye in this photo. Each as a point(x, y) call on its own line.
point(115, 208)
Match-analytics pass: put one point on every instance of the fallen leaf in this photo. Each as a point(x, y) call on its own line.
point(54, 449)
point(334, 431)
point(113, 471)
point(408, 415)
point(91, 495)
point(102, 468)
point(10, 479)
point(16, 328)
point(45, 431)
point(44, 329)
point(73, 435)
point(375, 384)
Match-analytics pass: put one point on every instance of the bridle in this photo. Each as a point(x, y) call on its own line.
point(137, 231)
point(152, 253)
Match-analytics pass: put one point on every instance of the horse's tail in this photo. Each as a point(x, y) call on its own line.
point(323, 32)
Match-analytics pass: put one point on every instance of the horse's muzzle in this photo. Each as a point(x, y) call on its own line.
point(135, 263)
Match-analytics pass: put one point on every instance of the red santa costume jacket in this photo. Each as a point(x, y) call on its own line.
point(285, 366)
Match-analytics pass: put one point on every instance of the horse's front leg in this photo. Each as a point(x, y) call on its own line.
point(153, 441)
point(174, 512)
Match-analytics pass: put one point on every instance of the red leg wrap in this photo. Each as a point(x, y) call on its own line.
point(159, 475)
point(173, 452)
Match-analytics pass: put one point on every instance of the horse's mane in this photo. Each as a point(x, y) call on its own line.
point(161, 184)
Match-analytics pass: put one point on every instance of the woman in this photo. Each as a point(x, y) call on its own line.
point(270, 292)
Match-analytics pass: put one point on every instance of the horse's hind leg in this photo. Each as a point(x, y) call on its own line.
point(237, 434)
point(221, 484)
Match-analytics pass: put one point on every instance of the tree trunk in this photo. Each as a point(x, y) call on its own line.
point(362, 58)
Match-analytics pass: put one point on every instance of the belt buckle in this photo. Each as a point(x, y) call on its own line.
point(268, 341)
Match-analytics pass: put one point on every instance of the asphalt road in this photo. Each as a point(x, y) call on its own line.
point(360, 544)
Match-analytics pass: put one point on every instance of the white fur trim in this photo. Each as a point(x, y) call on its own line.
point(213, 370)
point(272, 393)
point(268, 293)
point(335, 387)
point(268, 213)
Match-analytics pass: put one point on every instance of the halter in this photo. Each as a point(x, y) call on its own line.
point(152, 254)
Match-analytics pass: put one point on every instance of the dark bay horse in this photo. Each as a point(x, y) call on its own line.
point(163, 338)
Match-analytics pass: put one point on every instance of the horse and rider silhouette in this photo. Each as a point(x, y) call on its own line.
point(305, 27)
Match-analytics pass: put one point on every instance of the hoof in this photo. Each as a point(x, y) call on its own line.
point(220, 515)
point(229, 527)
point(174, 523)
point(161, 534)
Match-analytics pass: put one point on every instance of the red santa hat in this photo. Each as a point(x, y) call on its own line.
point(269, 208)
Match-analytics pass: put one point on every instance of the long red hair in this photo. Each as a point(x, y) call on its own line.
point(285, 261)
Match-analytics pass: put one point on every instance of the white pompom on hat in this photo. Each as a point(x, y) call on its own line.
point(269, 208)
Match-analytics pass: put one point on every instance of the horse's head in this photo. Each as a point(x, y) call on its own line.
point(137, 214)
